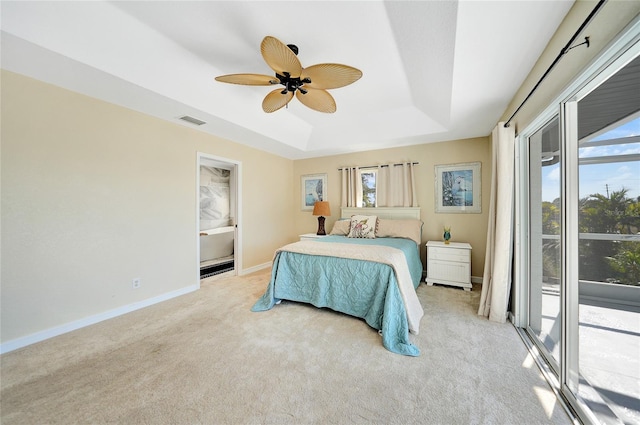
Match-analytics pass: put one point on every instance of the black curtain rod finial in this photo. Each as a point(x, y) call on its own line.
point(586, 41)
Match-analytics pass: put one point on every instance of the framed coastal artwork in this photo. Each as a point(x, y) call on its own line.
point(458, 188)
point(314, 188)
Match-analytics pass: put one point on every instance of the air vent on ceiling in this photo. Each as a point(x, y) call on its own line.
point(192, 120)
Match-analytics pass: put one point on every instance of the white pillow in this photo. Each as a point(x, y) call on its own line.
point(363, 226)
point(341, 228)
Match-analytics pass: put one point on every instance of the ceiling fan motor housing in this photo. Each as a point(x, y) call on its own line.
point(292, 84)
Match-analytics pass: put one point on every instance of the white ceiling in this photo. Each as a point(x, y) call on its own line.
point(432, 70)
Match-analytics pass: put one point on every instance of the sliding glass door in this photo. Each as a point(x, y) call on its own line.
point(544, 239)
point(579, 242)
point(608, 124)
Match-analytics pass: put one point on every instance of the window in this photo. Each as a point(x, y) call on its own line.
point(369, 190)
point(609, 173)
point(387, 185)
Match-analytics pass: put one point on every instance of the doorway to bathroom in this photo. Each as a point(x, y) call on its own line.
point(218, 214)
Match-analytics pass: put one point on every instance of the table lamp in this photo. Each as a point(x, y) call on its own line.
point(321, 208)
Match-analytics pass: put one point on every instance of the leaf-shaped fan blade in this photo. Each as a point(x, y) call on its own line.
point(248, 79)
point(280, 57)
point(330, 75)
point(276, 100)
point(320, 100)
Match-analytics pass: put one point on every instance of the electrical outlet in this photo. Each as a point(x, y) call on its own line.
point(135, 283)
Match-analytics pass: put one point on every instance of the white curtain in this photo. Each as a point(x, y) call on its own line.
point(396, 186)
point(496, 281)
point(214, 197)
point(351, 187)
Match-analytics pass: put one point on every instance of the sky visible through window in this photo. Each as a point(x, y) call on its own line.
point(598, 178)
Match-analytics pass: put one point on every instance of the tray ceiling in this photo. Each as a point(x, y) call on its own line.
point(432, 70)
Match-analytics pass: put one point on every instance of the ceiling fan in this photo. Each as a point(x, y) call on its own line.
point(310, 84)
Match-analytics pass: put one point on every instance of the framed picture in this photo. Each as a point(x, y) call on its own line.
point(458, 188)
point(314, 188)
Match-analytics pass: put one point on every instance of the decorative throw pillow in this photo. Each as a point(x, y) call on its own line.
point(341, 228)
point(363, 226)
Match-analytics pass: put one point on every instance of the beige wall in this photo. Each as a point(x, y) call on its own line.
point(470, 228)
point(94, 195)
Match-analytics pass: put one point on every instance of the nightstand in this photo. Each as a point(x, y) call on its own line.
point(310, 236)
point(449, 264)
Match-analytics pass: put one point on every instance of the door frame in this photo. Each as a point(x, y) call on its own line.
point(235, 188)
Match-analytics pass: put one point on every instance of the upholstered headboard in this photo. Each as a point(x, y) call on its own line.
point(403, 222)
point(396, 213)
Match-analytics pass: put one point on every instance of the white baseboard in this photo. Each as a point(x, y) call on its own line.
point(91, 320)
point(255, 268)
point(474, 279)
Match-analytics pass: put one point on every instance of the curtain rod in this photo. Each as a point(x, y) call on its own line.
point(383, 165)
point(562, 53)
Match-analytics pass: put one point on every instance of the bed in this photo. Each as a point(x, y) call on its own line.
point(368, 267)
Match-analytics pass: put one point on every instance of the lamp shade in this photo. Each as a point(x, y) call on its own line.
point(321, 208)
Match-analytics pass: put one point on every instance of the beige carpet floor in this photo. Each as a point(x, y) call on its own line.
point(205, 358)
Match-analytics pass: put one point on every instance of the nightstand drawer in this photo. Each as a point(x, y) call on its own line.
point(449, 254)
point(445, 271)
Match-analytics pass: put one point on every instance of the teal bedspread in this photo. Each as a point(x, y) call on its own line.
point(364, 289)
